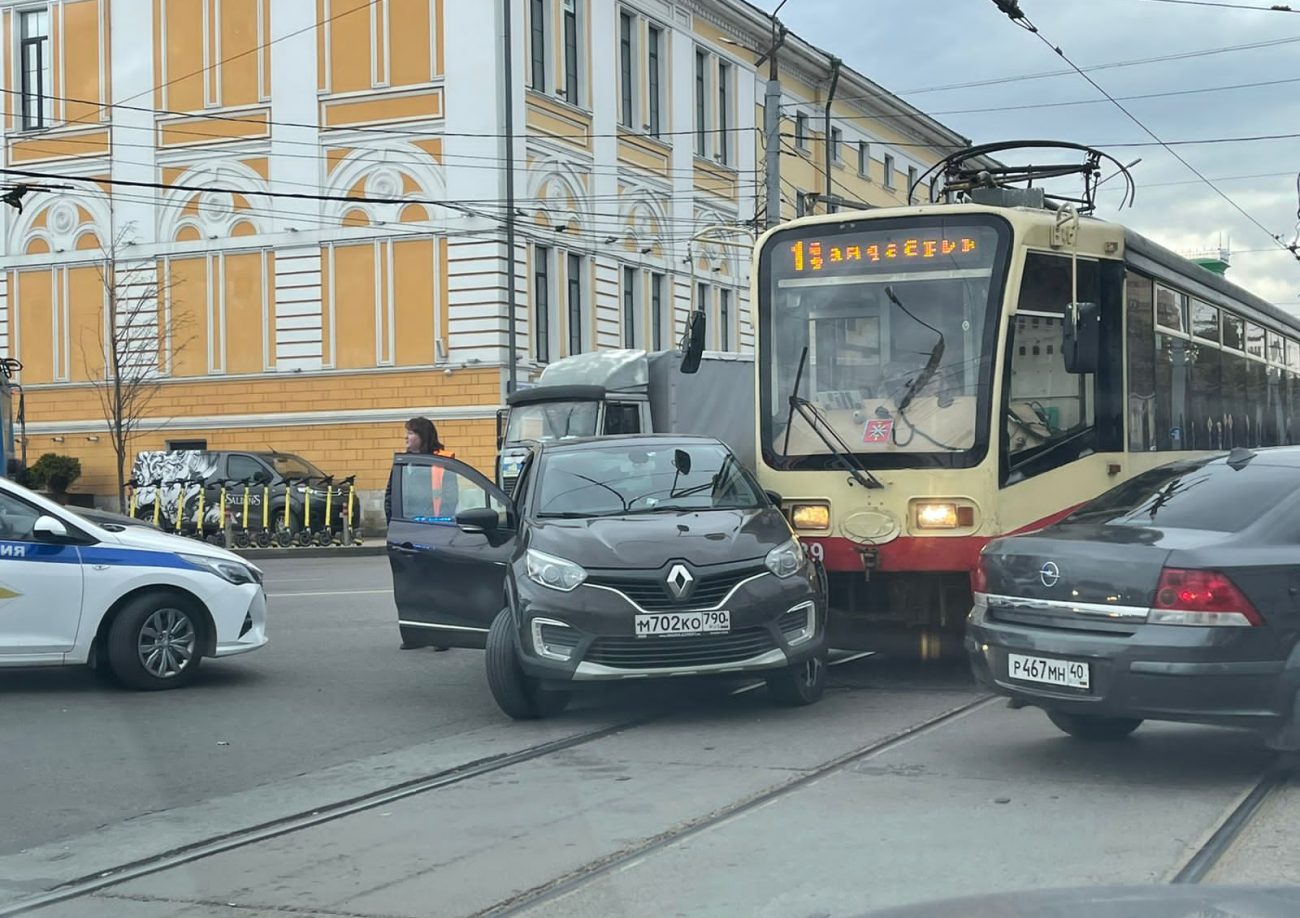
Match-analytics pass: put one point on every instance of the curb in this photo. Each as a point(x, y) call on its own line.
point(277, 554)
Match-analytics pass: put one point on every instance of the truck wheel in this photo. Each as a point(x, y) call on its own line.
point(155, 643)
point(800, 684)
point(1095, 729)
point(517, 695)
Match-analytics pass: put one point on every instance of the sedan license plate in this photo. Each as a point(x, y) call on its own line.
point(1068, 673)
point(675, 623)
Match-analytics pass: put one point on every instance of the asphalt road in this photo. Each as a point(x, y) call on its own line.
point(713, 803)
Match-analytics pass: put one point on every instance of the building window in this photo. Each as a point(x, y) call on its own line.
point(631, 278)
point(537, 44)
point(657, 317)
point(889, 171)
point(724, 319)
point(180, 446)
point(724, 111)
point(626, 25)
point(911, 177)
point(836, 136)
point(654, 47)
point(571, 89)
point(701, 103)
point(542, 303)
point(864, 159)
point(34, 52)
point(702, 298)
point(801, 130)
point(574, 285)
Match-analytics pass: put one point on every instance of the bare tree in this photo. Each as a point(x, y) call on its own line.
point(137, 342)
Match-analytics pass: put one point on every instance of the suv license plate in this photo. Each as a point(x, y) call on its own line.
point(675, 623)
point(1069, 673)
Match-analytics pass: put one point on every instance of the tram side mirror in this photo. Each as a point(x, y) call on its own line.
point(1081, 338)
point(693, 344)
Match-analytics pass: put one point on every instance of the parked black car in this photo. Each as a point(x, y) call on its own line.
point(1174, 596)
point(618, 558)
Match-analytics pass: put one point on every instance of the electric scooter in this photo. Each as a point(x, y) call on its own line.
point(263, 537)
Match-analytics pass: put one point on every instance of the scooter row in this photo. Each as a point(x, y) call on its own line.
point(232, 523)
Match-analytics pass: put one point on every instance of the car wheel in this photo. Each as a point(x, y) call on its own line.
point(800, 684)
point(155, 643)
point(517, 695)
point(1086, 727)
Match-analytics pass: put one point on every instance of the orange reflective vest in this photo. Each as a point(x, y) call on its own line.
point(435, 479)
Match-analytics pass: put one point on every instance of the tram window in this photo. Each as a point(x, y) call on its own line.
point(1254, 340)
point(1171, 309)
point(1204, 425)
point(1276, 353)
point(1234, 332)
point(1205, 321)
point(1235, 372)
point(1047, 405)
point(1140, 332)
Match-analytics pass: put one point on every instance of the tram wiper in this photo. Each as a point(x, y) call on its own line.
point(922, 379)
point(813, 417)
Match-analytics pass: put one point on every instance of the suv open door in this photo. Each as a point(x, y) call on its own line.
point(448, 579)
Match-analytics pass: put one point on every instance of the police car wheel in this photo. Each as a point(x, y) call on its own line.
point(155, 642)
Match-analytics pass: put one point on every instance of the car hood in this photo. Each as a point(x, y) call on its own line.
point(150, 539)
point(650, 540)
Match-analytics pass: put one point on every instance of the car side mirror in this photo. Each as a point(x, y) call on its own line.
point(774, 498)
point(262, 477)
point(693, 349)
point(1081, 338)
point(49, 529)
point(479, 519)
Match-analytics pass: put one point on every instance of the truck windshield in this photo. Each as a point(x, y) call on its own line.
point(895, 322)
point(547, 421)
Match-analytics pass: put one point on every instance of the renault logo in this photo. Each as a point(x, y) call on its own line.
point(1049, 574)
point(680, 581)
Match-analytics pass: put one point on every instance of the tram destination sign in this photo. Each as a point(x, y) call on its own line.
point(869, 251)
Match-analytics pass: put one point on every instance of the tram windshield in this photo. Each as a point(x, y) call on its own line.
point(894, 324)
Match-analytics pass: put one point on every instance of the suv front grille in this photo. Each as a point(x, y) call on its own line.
point(681, 652)
point(651, 592)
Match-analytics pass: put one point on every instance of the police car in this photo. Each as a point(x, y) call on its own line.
point(143, 605)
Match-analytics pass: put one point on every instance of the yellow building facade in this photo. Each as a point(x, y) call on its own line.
point(308, 200)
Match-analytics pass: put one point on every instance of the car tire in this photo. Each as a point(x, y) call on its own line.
point(171, 627)
point(800, 684)
point(1095, 729)
point(515, 693)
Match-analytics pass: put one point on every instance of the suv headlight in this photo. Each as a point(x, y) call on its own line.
point(230, 571)
point(555, 573)
point(787, 559)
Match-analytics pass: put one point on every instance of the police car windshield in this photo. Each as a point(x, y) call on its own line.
point(612, 481)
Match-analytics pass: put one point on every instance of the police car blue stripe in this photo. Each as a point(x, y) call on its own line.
point(91, 554)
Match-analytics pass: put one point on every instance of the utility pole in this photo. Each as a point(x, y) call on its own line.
point(509, 77)
point(772, 126)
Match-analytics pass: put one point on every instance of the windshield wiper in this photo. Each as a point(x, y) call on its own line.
point(576, 514)
point(813, 417)
point(922, 379)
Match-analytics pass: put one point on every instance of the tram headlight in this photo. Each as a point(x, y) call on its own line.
point(936, 515)
point(810, 516)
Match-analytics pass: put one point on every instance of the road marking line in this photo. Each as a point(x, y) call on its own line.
point(332, 593)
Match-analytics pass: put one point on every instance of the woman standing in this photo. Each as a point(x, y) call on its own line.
point(422, 438)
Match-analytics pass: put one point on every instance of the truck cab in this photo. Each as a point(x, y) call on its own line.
point(613, 392)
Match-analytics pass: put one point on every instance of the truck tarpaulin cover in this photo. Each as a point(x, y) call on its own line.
point(716, 401)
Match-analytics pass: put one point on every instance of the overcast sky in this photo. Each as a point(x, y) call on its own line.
point(909, 46)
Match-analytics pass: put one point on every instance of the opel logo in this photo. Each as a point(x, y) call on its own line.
point(1049, 573)
point(680, 581)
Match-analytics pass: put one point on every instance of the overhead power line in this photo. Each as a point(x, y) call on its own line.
point(1275, 8)
point(1012, 9)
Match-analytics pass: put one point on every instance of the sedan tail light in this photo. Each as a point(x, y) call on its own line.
point(1186, 597)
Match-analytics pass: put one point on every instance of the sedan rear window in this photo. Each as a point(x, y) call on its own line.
point(604, 481)
point(1209, 496)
